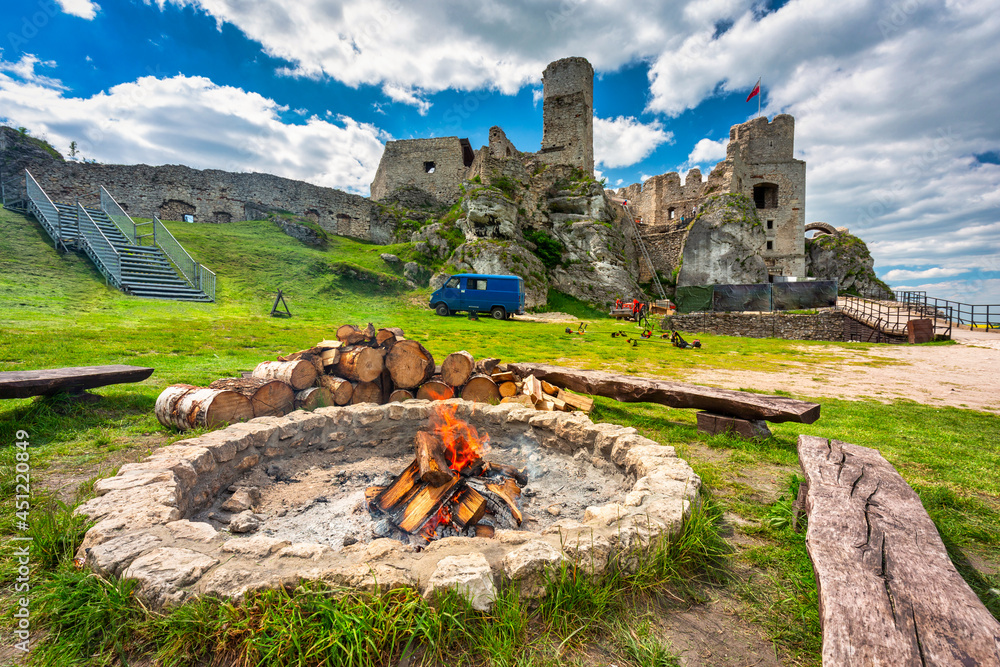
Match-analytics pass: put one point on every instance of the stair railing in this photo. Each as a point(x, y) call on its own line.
point(197, 275)
point(43, 209)
point(206, 281)
point(117, 214)
point(99, 248)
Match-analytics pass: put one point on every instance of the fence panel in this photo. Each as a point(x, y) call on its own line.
point(737, 298)
point(805, 295)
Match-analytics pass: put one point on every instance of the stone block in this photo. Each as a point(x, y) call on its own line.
point(469, 574)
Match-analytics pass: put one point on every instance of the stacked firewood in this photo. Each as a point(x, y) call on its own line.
point(357, 366)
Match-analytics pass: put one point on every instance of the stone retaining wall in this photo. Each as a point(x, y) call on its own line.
point(824, 325)
point(143, 532)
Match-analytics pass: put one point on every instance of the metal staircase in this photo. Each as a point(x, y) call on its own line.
point(111, 239)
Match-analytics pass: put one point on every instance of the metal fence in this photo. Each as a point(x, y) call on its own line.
point(760, 297)
point(197, 275)
point(43, 208)
point(972, 316)
point(887, 319)
point(118, 216)
point(99, 248)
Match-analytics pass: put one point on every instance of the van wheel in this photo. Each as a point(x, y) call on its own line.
point(498, 312)
point(442, 310)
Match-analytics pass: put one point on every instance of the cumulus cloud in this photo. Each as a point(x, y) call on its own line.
point(707, 152)
point(935, 272)
point(85, 9)
point(623, 141)
point(193, 121)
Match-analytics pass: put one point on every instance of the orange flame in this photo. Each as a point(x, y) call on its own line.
point(437, 395)
point(462, 444)
point(442, 516)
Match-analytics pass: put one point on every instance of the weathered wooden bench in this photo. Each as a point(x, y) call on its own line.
point(888, 593)
point(740, 412)
point(24, 384)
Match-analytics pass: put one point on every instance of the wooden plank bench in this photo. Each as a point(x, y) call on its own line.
point(888, 593)
point(24, 384)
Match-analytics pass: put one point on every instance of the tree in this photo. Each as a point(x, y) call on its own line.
point(72, 149)
point(23, 131)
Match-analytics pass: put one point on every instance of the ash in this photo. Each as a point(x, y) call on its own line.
point(319, 496)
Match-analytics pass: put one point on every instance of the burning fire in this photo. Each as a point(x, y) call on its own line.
point(462, 444)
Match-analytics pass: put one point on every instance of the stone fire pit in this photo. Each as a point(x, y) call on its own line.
point(595, 492)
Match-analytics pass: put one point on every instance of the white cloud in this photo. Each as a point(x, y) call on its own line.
point(192, 121)
point(85, 9)
point(622, 141)
point(406, 96)
point(707, 152)
point(24, 70)
point(936, 272)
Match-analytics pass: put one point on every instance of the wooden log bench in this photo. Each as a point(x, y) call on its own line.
point(76, 379)
point(888, 593)
point(723, 410)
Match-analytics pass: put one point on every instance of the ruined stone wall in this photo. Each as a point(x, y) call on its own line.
point(824, 325)
point(500, 146)
point(568, 114)
point(437, 166)
point(171, 191)
point(664, 248)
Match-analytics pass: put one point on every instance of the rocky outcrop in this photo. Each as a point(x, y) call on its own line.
point(504, 258)
point(845, 258)
point(724, 244)
point(315, 238)
point(489, 214)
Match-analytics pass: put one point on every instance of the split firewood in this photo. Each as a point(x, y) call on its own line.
point(503, 376)
point(548, 388)
point(557, 403)
point(330, 357)
point(350, 334)
point(508, 389)
point(359, 363)
point(533, 388)
point(387, 337)
point(300, 374)
point(435, 390)
point(298, 355)
point(312, 398)
point(578, 401)
point(481, 388)
point(487, 366)
point(548, 406)
point(519, 398)
point(432, 463)
point(341, 389)
point(520, 475)
point(468, 508)
point(366, 392)
point(457, 368)
point(371, 492)
point(185, 407)
point(269, 398)
point(400, 395)
point(509, 491)
point(424, 504)
point(397, 492)
point(409, 364)
point(329, 344)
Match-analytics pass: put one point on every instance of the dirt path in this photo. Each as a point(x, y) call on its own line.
point(966, 375)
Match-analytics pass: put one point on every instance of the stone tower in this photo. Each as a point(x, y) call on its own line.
point(568, 114)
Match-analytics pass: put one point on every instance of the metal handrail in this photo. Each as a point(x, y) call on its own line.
point(47, 213)
point(99, 248)
point(973, 316)
point(206, 281)
point(889, 319)
point(175, 252)
point(118, 216)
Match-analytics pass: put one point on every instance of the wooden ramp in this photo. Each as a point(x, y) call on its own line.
point(24, 384)
point(889, 596)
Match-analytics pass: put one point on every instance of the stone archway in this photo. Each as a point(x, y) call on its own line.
point(821, 227)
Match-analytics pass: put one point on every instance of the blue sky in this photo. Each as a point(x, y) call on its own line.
point(895, 102)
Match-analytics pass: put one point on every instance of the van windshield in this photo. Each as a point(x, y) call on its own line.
point(452, 283)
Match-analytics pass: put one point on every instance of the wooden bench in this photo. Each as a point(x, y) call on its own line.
point(888, 593)
point(24, 384)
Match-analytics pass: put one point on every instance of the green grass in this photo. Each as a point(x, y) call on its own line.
point(55, 311)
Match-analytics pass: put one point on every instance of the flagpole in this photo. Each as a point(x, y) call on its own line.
point(759, 95)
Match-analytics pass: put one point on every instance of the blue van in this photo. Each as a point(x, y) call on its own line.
point(502, 296)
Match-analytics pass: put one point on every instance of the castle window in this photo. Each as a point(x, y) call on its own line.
point(429, 167)
point(670, 213)
point(770, 224)
point(765, 195)
point(770, 245)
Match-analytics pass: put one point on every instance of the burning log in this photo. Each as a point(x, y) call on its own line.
point(300, 374)
point(366, 392)
point(457, 368)
point(481, 388)
point(432, 463)
point(341, 389)
point(360, 364)
point(423, 505)
point(435, 390)
point(469, 506)
point(268, 397)
point(400, 395)
point(519, 475)
point(409, 364)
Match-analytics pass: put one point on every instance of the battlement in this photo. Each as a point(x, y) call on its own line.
point(759, 141)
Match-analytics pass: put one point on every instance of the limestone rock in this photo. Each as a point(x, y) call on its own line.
point(504, 258)
point(301, 232)
point(724, 245)
point(416, 273)
point(113, 556)
point(390, 259)
point(242, 500)
point(430, 241)
point(258, 546)
point(162, 571)
point(470, 574)
point(489, 214)
point(195, 531)
point(244, 522)
point(844, 258)
point(526, 566)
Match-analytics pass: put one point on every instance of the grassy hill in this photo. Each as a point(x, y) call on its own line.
point(55, 310)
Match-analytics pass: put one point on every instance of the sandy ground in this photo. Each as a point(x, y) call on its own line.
point(966, 375)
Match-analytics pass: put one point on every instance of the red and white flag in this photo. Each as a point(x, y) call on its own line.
point(755, 92)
